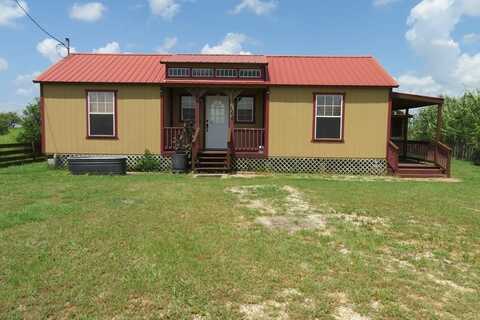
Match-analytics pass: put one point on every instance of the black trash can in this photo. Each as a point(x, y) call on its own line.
point(179, 162)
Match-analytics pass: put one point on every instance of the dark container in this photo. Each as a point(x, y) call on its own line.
point(179, 162)
point(98, 165)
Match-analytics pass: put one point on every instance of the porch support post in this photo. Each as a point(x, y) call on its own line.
point(405, 132)
point(438, 136)
point(162, 120)
point(232, 96)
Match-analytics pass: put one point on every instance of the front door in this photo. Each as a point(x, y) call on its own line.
point(216, 126)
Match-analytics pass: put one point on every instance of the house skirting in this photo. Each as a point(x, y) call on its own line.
point(349, 166)
point(313, 165)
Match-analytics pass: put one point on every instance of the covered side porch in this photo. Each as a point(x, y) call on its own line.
point(226, 122)
point(415, 158)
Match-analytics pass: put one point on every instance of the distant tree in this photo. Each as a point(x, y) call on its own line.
point(461, 121)
point(31, 122)
point(8, 120)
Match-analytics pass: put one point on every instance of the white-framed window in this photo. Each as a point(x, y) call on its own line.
point(226, 73)
point(179, 72)
point(249, 73)
point(203, 73)
point(187, 108)
point(245, 109)
point(329, 117)
point(101, 114)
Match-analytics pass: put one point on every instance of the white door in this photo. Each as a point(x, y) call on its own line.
point(216, 125)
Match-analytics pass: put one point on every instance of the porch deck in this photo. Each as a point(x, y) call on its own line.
point(415, 158)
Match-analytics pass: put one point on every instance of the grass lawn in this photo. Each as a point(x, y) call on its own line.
point(11, 136)
point(275, 247)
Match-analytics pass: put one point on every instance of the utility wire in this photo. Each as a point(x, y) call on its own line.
point(67, 46)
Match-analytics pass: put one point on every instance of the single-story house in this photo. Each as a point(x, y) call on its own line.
point(249, 112)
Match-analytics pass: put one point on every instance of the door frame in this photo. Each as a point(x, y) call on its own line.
point(204, 126)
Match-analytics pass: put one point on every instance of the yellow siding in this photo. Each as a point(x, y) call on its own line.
point(138, 114)
point(291, 121)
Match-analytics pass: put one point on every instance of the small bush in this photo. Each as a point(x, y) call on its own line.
point(147, 163)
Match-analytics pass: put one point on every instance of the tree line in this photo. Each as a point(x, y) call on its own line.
point(29, 121)
point(461, 123)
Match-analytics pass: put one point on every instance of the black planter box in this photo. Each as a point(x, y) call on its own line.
point(98, 165)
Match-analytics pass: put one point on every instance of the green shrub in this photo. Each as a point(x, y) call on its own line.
point(147, 163)
point(31, 122)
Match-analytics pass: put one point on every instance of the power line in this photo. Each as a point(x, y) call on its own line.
point(67, 40)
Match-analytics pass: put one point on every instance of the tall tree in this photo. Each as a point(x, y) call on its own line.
point(31, 122)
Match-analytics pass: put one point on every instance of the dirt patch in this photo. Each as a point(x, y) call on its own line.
point(245, 196)
point(345, 310)
point(292, 224)
point(273, 309)
point(294, 213)
point(347, 313)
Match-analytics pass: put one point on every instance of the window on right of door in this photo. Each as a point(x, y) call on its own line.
point(329, 117)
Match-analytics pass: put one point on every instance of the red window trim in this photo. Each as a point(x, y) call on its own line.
point(115, 116)
point(253, 111)
point(314, 122)
point(181, 108)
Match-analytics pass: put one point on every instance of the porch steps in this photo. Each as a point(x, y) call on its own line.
point(212, 161)
point(420, 170)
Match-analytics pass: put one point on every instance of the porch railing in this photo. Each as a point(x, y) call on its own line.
point(248, 139)
point(422, 150)
point(435, 152)
point(171, 136)
point(393, 156)
point(444, 157)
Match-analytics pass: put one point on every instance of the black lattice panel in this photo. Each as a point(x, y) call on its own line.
point(313, 165)
point(164, 163)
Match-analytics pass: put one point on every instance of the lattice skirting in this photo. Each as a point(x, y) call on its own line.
point(163, 163)
point(273, 164)
point(313, 165)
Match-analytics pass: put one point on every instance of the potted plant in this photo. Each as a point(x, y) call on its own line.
point(180, 158)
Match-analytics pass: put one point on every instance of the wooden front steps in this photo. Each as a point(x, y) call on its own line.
point(420, 170)
point(212, 161)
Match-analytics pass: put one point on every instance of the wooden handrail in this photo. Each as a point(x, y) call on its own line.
point(393, 156)
point(443, 155)
point(195, 146)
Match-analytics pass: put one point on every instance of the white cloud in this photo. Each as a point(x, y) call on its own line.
point(24, 85)
point(422, 85)
point(471, 38)
point(88, 12)
point(51, 50)
point(383, 3)
point(468, 71)
point(259, 7)
point(166, 9)
point(431, 24)
point(167, 44)
point(111, 47)
point(231, 44)
point(3, 64)
point(9, 11)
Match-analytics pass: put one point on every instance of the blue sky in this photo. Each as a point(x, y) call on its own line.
point(430, 46)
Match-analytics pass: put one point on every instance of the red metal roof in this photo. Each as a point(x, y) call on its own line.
point(215, 58)
point(328, 71)
point(106, 68)
point(282, 70)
